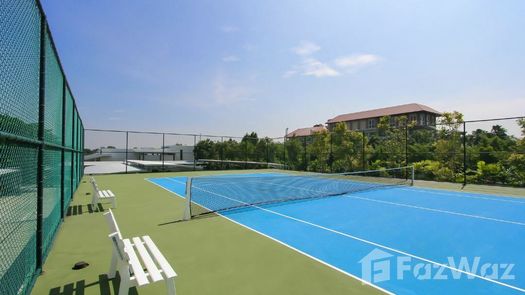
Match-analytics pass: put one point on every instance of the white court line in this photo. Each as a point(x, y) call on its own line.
point(414, 206)
point(371, 243)
point(437, 210)
point(459, 195)
point(283, 243)
point(168, 178)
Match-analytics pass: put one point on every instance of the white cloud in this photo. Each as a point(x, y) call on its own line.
point(306, 48)
point(354, 62)
point(229, 29)
point(313, 67)
point(230, 58)
point(228, 91)
point(310, 66)
point(289, 73)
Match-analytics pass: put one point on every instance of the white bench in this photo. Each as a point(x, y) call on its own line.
point(138, 260)
point(99, 195)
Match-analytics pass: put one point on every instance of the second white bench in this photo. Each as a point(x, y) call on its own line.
point(99, 195)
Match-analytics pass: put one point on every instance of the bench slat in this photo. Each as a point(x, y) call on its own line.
point(135, 264)
point(161, 260)
point(107, 194)
point(153, 271)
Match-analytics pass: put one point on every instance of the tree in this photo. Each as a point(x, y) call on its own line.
point(448, 148)
point(319, 151)
point(293, 149)
point(249, 142)
point(206, 149)
point(389, 148)
point(347, 148)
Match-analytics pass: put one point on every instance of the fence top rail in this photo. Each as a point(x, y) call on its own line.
point(274, 138)
point(173, 133)
point(482, 120)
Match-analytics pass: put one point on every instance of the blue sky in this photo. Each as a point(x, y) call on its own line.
point(228, 67)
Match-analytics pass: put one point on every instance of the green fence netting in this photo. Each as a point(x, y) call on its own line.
point(41, 144)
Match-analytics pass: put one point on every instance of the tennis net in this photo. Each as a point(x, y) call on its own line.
point(208, 194)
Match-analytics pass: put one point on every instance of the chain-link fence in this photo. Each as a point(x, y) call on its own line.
point(478, 152)
point(117, 151)
point(41, 139)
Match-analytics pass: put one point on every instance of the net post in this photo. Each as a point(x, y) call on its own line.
point(187, 207)
point(412, 176)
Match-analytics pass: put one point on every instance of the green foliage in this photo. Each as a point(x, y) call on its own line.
point(489, 173)
point(493, 156)
point(448, 148)
point(347, 149)
point(319, 151)
point(516, 171)
point(206, 149)
point(293, 153)
point(389, 144)
point(433, 170)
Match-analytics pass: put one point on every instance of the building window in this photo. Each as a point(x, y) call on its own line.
point(412, 118)
point(393, 121)
point(372, 123)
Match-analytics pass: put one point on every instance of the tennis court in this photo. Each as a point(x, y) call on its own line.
point(398, 238)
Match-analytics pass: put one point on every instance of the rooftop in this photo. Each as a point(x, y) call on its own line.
point(306, 131)
point(388, 111)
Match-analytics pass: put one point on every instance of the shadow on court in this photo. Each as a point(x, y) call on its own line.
point(105, 285)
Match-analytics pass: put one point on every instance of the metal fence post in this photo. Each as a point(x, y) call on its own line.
point(194, 154)
point(162, 156)
point(305, 162)
point(63, 153)
point(464, 153)
point(363, 158)
point(246, 153)
point(127, 141)
point(284, 154)
point(72, 172)
point(40, 157)
point(406, 144)
point(331, 156)
point(267, 146)
point(221, 152)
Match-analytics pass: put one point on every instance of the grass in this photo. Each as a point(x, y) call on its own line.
point(211, 255)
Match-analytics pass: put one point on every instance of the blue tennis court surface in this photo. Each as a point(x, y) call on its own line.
point(402, 239)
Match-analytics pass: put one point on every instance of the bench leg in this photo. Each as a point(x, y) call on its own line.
point(94, 199)
point(170, 284)
point(113, 266)
point(125, 282)
point(114, 202)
